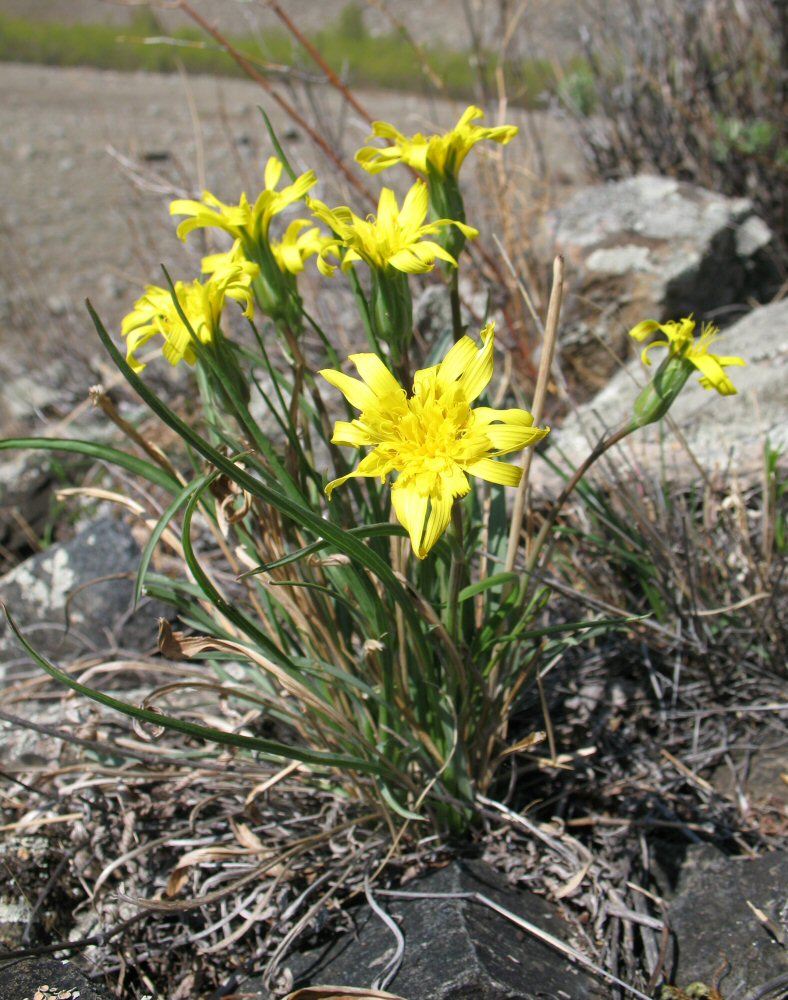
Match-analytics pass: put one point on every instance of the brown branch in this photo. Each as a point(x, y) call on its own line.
point(259, 79)
point(331, 76)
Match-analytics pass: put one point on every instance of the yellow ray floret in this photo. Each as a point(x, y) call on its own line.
point(434, 438)
point(393, 238)
point(681, 343)
point(443, 153)
point(243, 221)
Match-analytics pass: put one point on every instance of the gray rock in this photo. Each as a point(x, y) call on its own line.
point(712, 915)
point(27, 488)
point(49, 978)
point(455, 949)
point(719, 430)
point(652, 247)
point(77, 596)
point(432, 313)
point(29, 394)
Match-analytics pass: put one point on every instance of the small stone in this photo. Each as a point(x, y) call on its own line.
point(58, 305)
point(37, 593)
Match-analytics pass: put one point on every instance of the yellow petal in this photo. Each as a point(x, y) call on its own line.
point(477, 375)
point(470, 114)
point(273, 171)
point(514, 415)
point(644, 328)
point(456, 361)
point(502, 473)
point(355, 392)
point(410, 262)
point(713, 375)
point(437, 522)
point(416, 205)
point(377, 376)
point(352, 433)
point(388, 211)
point(506, 439)
point(371, 466)
point(410, 506)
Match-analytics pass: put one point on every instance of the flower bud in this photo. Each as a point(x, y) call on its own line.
point(658, 396)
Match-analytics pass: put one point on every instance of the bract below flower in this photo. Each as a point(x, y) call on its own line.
point(392, 239)
point(434, 438)
point(444, 154)
point(681, 343)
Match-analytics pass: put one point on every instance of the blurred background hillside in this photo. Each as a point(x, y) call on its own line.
point(441, 22)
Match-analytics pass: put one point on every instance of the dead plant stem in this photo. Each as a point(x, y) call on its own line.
point(540, 394)
point(314, 53)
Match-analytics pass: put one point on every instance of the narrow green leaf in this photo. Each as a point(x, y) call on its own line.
point(103, 452)
point(269, 747)
point(277, 145)
point(158, 531)
point(498, 580)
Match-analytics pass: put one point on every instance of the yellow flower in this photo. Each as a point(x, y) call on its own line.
point(443, 153)
point(300, 242)
point(392, 239)
point(680, 342)
point(433, 437)
point(155, 313)
point(249, 223)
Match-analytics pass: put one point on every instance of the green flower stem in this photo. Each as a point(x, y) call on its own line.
point(454, 293)
point(603, 445)
point(456, 575)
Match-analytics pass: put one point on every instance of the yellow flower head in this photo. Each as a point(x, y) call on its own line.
point(394, 238)
point(300, 242)
point(680, 342)
point(249, 223)
point(155, 313)
point(432, 438)
point(443, 153)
